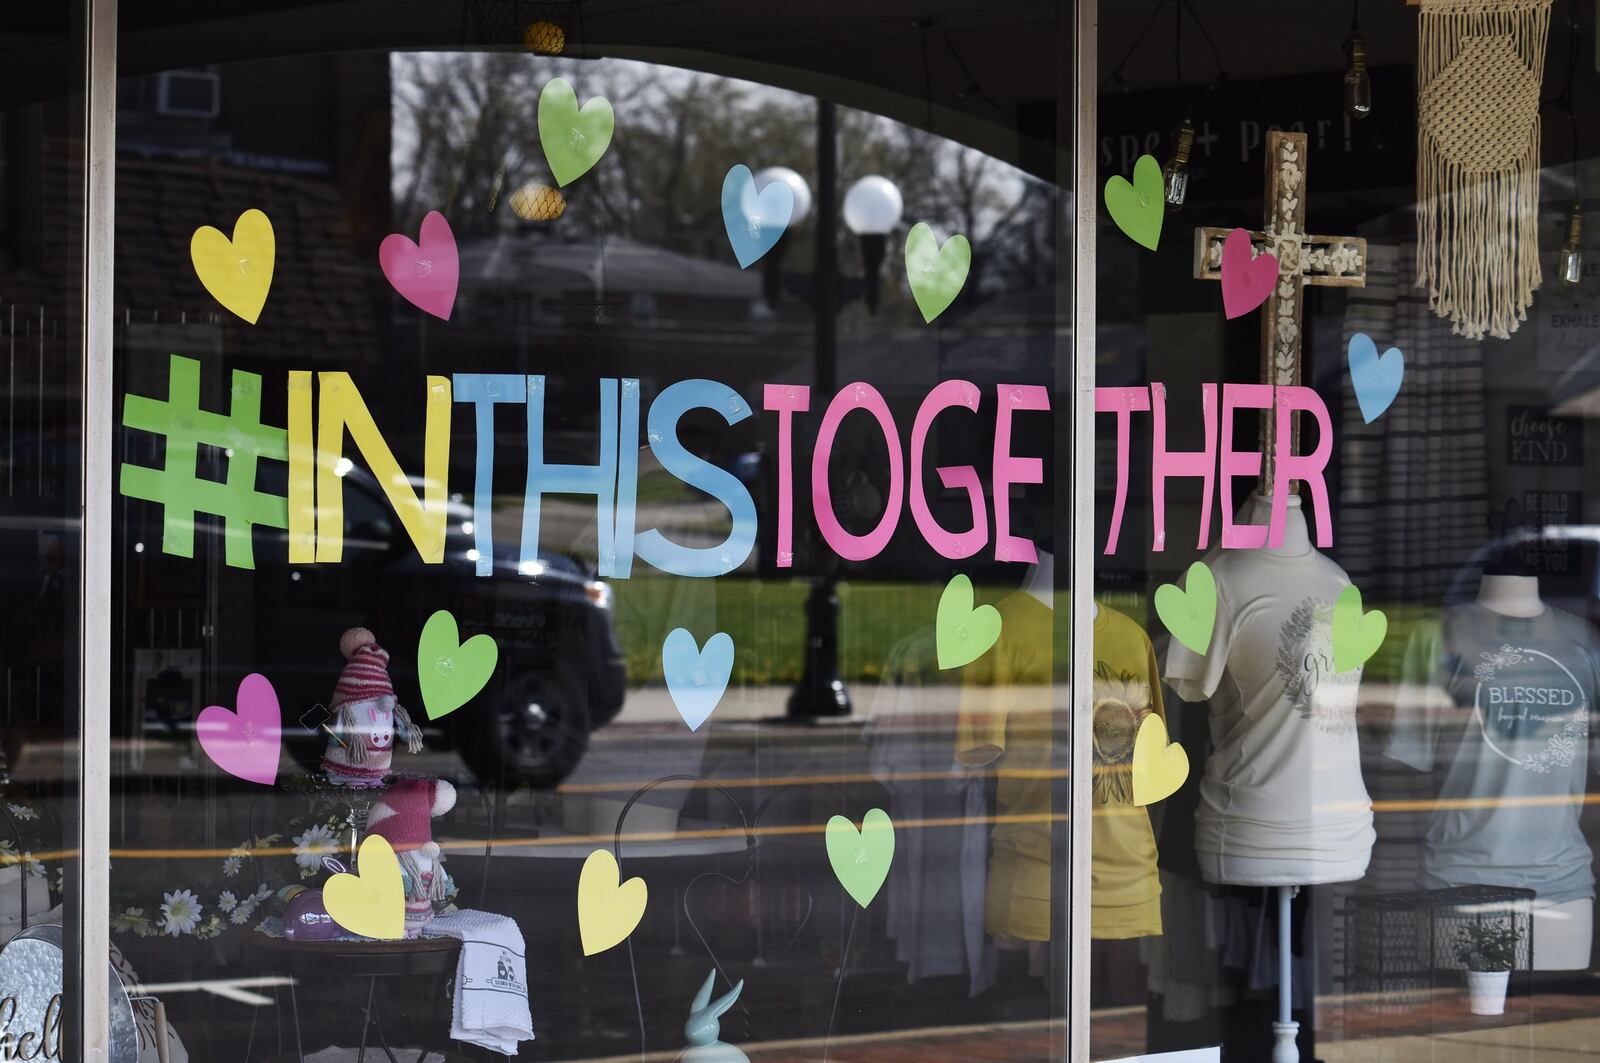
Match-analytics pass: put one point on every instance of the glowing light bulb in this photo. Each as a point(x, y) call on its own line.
point(1569, 264)
point(1357, 85)
point(1175, 174)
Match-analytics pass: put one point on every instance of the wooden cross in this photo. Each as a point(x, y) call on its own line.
point(1333, 261)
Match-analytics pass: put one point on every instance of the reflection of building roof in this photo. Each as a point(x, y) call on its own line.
point(532, 261)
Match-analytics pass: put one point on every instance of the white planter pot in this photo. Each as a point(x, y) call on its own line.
point(1486, 991)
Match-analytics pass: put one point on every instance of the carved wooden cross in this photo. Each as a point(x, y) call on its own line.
point(1336, 261)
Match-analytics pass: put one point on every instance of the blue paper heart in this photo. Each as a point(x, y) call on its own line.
point(696, 678)
point(1377, 380)
point(754, 222)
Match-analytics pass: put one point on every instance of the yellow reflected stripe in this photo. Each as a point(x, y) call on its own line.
point(468, 845)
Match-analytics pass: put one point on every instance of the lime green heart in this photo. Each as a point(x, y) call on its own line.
point(1138, 208)
point(1190, 612)
point(451, 672)
point(962, 634)
point(861, 858)
point(1356, 635)
point(573, 139)
point(936, 273)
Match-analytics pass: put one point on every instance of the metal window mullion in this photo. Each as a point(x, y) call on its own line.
point(93, 821)
point(1085, 202)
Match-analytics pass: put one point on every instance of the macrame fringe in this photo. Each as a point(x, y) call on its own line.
point(1477, 227)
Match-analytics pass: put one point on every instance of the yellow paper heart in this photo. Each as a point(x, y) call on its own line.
point(607, 910)
point(237, 272)
point(1158, 768)
point(371, 902)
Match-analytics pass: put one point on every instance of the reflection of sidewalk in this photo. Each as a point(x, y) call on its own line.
point(1036, 1042)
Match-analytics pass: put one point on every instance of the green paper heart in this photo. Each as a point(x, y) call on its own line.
point(1356, 635)
point(936, 273)
point(573, 139)
point(962, 634)
point(1190, 612)
point(449, 671)
point(1138, 208)
point(861, 858)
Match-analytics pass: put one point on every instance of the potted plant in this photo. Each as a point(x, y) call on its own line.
point(1488, 951)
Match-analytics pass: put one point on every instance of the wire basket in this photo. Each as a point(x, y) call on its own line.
point(1402, 949)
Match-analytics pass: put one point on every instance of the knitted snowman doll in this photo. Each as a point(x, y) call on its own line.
point(404, 816)
point(366, 717)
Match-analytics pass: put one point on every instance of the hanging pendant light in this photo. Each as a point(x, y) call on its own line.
point(1357, 83)
point(1569, 263)
point(1175, 174)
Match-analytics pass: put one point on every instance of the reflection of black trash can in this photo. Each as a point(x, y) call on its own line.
point(167, 699)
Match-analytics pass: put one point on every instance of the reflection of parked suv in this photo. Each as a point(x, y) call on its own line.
point(560, 674)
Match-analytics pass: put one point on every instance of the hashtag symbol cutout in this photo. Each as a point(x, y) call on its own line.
point(179, 489)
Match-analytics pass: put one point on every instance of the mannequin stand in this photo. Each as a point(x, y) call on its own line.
point(1285, 1030)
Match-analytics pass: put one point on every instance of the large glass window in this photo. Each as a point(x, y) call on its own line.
point(592, 473)
point(42, 209)
point(1346, 560)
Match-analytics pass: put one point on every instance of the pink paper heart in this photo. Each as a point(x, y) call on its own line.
point(426, 274)
point(245, 743)
point(1246, 281)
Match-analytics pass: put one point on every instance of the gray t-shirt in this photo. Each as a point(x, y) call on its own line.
point(1500, 708)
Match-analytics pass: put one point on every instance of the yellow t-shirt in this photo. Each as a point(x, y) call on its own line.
point(1005, 717)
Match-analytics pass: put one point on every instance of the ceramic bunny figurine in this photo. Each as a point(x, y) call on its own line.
point(702, 1030)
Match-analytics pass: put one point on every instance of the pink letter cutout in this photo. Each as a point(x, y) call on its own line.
point(950, 544)
point(1009, 469)
point(1166, 464)
point(848, 546)
point(1308, 467)
point(786, 399)
point(1122, 402)
point(1238, 464)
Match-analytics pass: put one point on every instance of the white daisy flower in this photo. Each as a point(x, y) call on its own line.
point(22, 812)
point(180, 912)
point(312, 846)
point(235, 861)
point(241, 915)
point(226, 900)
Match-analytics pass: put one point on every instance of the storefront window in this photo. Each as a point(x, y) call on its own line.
point(596, 493)
point(42, 217)
point(1343, 492)
point(598, 487)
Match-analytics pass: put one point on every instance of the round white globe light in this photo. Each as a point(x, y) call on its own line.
point(797, 185)
point(873, 206)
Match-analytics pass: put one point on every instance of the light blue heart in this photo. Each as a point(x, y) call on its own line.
point(754, 222)
point(1377, 380)
point(696, 678)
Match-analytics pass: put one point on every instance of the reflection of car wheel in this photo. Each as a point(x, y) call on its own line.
point(538, 731)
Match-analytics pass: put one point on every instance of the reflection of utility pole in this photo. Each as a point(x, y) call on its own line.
point(821, 691)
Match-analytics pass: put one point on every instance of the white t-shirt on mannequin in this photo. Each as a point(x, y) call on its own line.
point(1282, 802)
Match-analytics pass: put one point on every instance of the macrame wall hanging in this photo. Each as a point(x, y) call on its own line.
point(1479, 68)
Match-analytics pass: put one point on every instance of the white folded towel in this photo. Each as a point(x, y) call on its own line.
point(491, 996)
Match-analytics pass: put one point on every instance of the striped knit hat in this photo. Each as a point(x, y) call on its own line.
point(366, 672)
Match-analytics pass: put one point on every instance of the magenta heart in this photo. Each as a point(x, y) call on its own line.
point(426, 274)
point(245, 743)
point(1246, 281)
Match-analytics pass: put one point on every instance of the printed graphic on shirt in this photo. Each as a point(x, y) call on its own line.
point(1316, 691)
point(1526, 701)
point(1121, 702)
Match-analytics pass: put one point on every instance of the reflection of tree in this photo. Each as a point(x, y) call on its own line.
point(467, 136)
